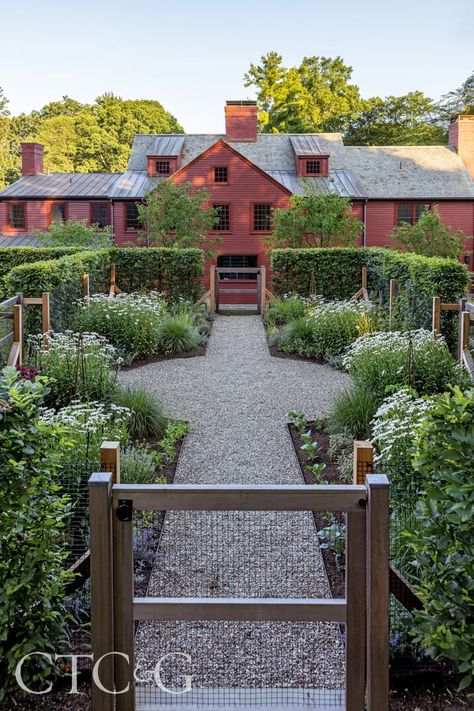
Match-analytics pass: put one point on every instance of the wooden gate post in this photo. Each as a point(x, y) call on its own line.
point(102, 632)
point(216, 290)
point(355, 596)
point(110, 459)
point(363, 461)
point(392, 298)
point(436, 326)
point(377, 592)
point(85, 285)
point(45, 312)
point(263, 288)
point(212, 284)
point(124, 629)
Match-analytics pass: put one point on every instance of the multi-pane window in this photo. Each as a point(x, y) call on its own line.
point(16, 215)
point(238, 261)
point(410, 212)
point(99, 214)
point(313, 167)
point(262, 218)
point(220, 174)
point(132, 220)
point(223, 216)
point(162, 167)
point(58, 212)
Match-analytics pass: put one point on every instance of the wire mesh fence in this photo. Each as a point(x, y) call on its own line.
point(74, 479)
point(234, 554)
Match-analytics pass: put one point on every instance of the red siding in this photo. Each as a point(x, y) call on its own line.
point(380, 219)
point(79, 210)
point(460, 215)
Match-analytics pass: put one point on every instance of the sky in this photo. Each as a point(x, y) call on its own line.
point(191, 56)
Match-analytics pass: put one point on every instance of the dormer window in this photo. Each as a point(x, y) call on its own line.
point(162, 167)
point(221, 174)
point(313, 167)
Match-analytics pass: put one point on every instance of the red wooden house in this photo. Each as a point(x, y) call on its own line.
point(247, 174)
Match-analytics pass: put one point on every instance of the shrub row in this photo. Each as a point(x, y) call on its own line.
point(11, 257)
point(336, 274)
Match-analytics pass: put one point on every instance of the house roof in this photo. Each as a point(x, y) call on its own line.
point(376, 172)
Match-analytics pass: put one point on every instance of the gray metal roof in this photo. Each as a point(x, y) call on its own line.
point(306, 145)
point(23, 240)
point(145, 144)
point(62, 185)
point(339, 181)
point(132, 184)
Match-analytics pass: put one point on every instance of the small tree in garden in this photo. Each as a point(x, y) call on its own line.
point(429, 237)
point(75, 233)
point(315, 221)
point(178, 216)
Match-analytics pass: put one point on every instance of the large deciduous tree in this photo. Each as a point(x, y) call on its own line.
point(178, 216)
point(315, 221)
point(429, 237)
point(315, 96)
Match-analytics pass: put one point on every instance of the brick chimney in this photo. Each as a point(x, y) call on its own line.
point(461, 137)
point(241, 121)
point(31, 158)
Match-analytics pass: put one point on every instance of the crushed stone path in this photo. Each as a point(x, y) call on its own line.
point(236, 399)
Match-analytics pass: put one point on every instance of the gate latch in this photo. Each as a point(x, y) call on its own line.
point(125, 510)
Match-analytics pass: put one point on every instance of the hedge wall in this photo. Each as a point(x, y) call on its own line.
point(178, 272)
point(11, 257)
point(63, 279)
point(337, 273)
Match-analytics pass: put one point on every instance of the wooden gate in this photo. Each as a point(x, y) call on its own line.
point(363, 610)
point(221, 288)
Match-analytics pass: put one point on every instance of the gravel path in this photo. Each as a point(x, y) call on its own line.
point(236, 399)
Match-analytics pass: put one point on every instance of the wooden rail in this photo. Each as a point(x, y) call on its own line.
point(464, 309)
point(363, 292)
point(12, 309)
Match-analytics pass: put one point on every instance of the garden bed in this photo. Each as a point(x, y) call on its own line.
point(158, 357)
point(276, 353)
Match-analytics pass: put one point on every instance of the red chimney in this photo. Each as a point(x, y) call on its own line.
point(241, 121)
point(31, 158)
point(461, 137)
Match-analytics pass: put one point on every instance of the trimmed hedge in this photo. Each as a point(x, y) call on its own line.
point(337, 274)
point(178, 272)
point(11, 257)
point(63, 279)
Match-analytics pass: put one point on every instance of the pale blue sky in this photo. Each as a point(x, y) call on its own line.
point(191, 56)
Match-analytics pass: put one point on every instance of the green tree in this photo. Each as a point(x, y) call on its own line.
point(315, 96)
point(429, 237)
point(315, 221)
point(459, 101)
point(59, 137)
point(178, 216)
point(72, 233)
point(3, 104)
point(396, 120)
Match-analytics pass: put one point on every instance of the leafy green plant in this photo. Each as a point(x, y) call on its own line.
point(11, 257)
point(443, 556)
point(333, 538)
point(352, 413)
point(32, 561)
point(311, 448)
point(380, 361)
point(298, 336)
point(341, 451)
point(177, 334)
point(137, 465)
point(75, 233)
point(146, 412)
point(130, 322)
point(428, 236)
point(299, 420)
point(337, 324)
point(282, 310)
point(80, 365)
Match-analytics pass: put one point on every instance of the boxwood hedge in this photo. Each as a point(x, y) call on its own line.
point(11, 257)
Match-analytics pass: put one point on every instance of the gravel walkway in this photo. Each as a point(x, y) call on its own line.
point(236, 399)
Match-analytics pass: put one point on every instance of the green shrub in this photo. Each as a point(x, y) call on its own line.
point(175, 272)
point(341, 451)
point(11, 257)
point(443, 555)
point(81, 366)
point(177, 334)
point(137, 465)
point(283, 310)
point(129, 322)
point(337, 324)
point(146, 412)
point(32, 561)
point(379, 361)
point(352, 413)
point(298, 336)
point(75, 232)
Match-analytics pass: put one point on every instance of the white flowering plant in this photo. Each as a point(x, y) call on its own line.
point(130, 322)
point(87, 426)
point(79, 365)
point(381, 360)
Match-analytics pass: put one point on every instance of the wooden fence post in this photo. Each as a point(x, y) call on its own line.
point(377, 592)
point(363, 461)
point(85, 285)
point(45, 312)
point(16, 352)
point(212, 289)
point(102, 631)
point(355, 596)
point(364, 277)
point(436, 316)
point(393, 296)
point(110, 459)
point(123, 607)
point(465, 317)
point(263, 286)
